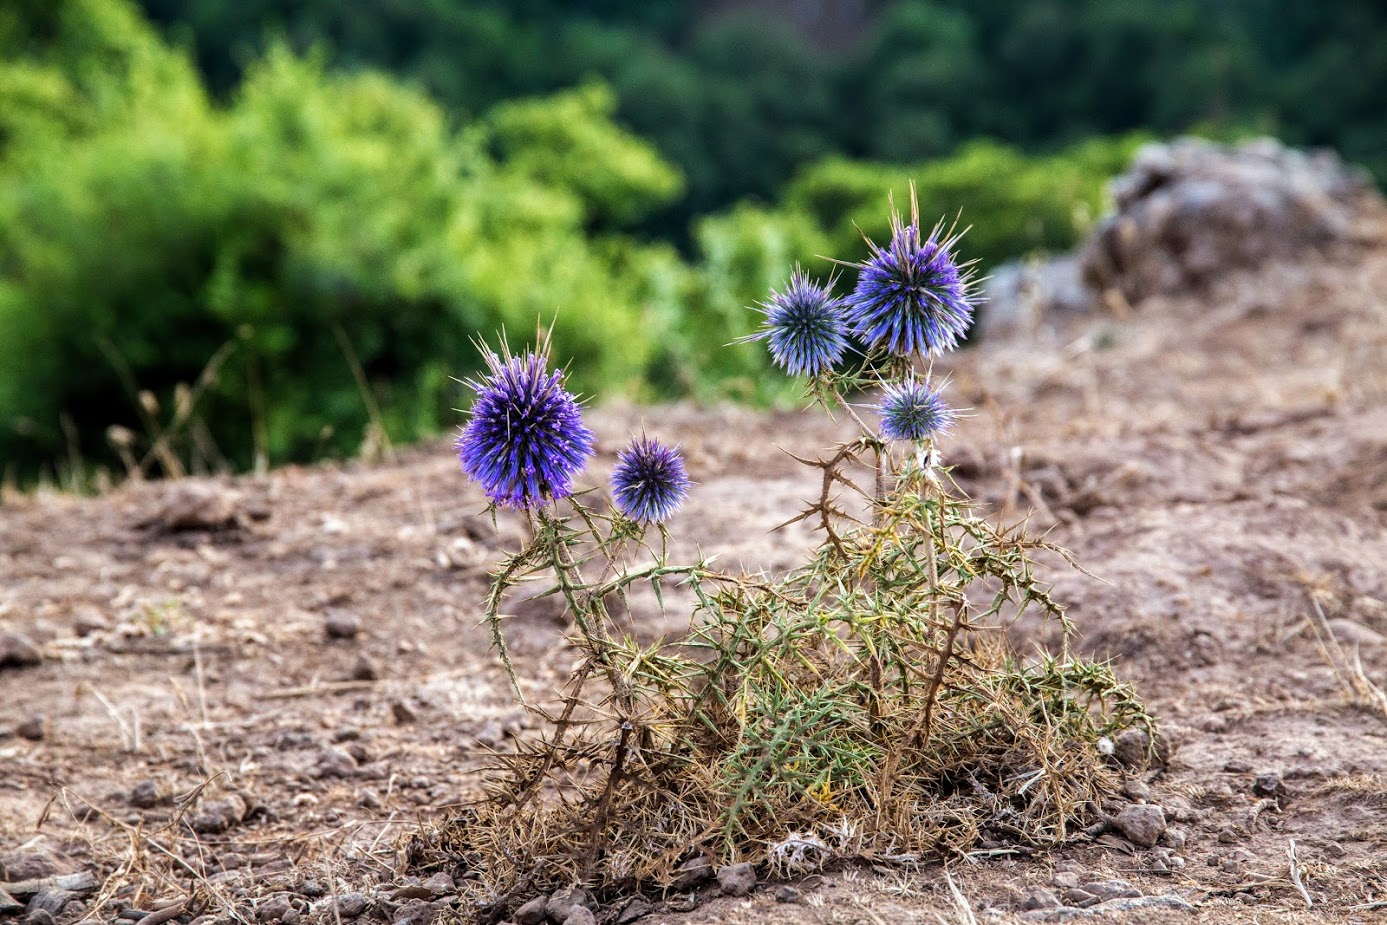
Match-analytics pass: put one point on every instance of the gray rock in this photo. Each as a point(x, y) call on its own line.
point(1112, 889)
point(365, 669)
point(1142, 824)
point(1079, 898)
point(737, 879)
point(440, 884)
point(562, 902)
point(273, 910)
point(39, 917)
point(580, 915)
point(341, 624)
point(1266, 785)
point(1040, 899)
point(532, 912)
point(1189, 210)
point(351, 905)
point(220, 815)
point(692, 873)
point(18, 651)
point(634, 910)
point(145, 794)
point(1018, 296)
point(335, 762)
point(31, 729)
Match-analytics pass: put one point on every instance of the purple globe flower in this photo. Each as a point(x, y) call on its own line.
point(525, 440)
point(804, 328)
point(912, 297)
point(913, 412)
point(649, 481)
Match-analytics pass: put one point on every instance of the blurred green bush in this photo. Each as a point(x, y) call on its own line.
point(338, 244)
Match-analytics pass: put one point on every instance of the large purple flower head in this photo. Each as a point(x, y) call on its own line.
point(525, 440)
point(912, 297)
point(804, 329)
point(649, 481)
point(912, 411)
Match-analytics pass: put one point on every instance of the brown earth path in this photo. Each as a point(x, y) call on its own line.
point(1218, 460)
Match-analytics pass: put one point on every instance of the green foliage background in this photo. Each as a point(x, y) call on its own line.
point(307, 190)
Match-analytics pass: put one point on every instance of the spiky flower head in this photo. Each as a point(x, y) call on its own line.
point(804, 328)
point(912, 411)
point(649, 481)
point(525, 440)
point(912, 296)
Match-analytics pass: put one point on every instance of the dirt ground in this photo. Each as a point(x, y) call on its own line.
point(261, 685)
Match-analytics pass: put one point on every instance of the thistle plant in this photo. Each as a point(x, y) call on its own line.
point(866, 704)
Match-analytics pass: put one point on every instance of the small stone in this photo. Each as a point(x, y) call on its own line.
point(1227, 836)
point(402, 712)
point(273, 910)
point(1065, 880)
point(145, 794)
point(532, 912)
point(1040, 899)
point(365, 669)
point(1266, 785)
point(341, 624)
point(562, 902)
point(1136, 791)
point(1142, 823)
point(1079, 898)
point(788, 894)
point(18, 651)
point(580, 915)
point(737, 879)
point(1174, 838)
point(350, 905)
point(1132, 748)
point(416, 912)
point(220, 815)
point(335, 762)
point(39, 917)
point(290, 917)
point(635, 909)
point(1112, 889)
point(31, 729)
point(692, 873)
point(313, 889)
point(440, 884)
point(1237, 766)
point(89, 621)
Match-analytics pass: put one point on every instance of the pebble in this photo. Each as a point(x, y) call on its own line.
point(635, 909)
point(1136, 791)
point(788, 894)
point(692, 873)
point(219, 815)
point(313, 889)
point(1266, 785)
point(402, 712)
point(39, 917)
point(580, 915)
point(273, 910)
point(1174, 838)
point(1142, 824)
point(335, 762)
point(1079, 898)
point(341, 624)
point(1237, 766)
point(440, 884)
point(18, 651)
point(1112, 889)
point(365, 669)
point(532, 912)
point(737, 879)
point(350, 905)
point(1040, 899)
point(145, 794)
point(562, 902)
point(31, 729)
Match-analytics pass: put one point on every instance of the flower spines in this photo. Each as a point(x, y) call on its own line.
point(804, 328)
point(912, 296)
point(525, 440)
point(649, 481)
point(911, 411)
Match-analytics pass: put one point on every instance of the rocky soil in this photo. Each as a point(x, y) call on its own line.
point(231, 700)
